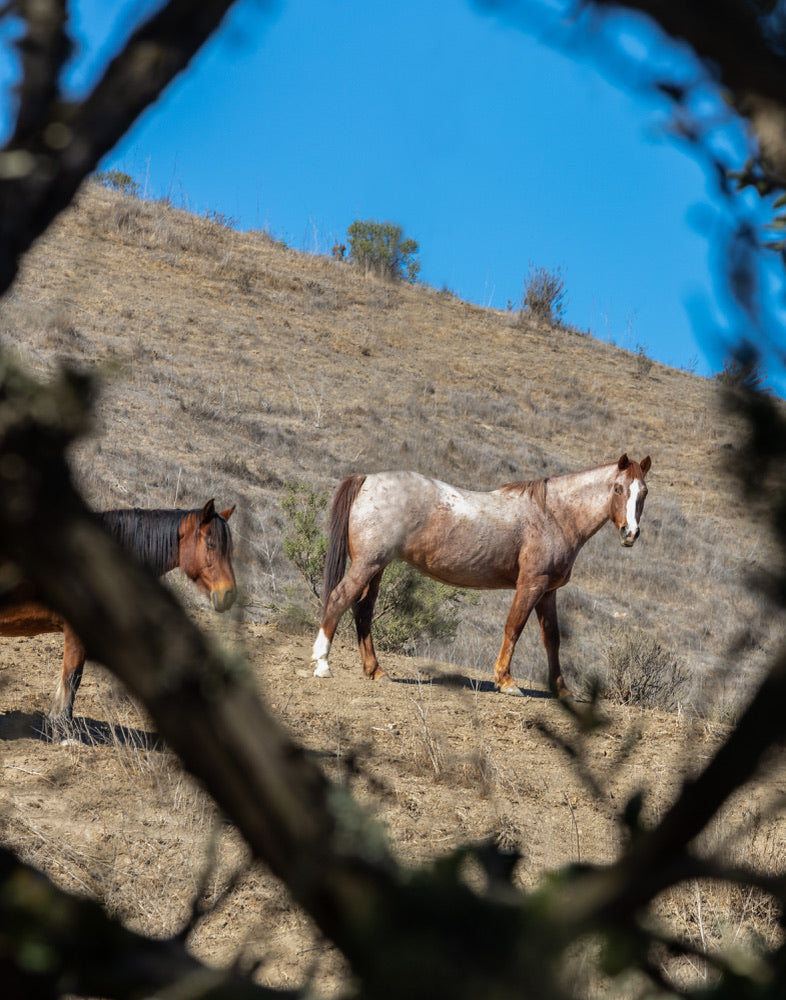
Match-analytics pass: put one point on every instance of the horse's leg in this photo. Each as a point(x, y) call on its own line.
point(349, 590)
point(363, 609)
point(62, 709)
point(528, 593)
point(546, 609)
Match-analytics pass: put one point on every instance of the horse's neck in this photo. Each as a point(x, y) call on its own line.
point(151, 535)
point(580, 502)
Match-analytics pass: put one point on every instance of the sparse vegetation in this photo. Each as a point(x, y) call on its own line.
point(117, 180)
point(544, 295)
point(305, 543)
point(221, 218)
point(644, 362)
point(380, 248)
point(742, 371)
point(640, 671)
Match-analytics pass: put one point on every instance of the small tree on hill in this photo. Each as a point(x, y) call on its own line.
point(117, 180)
point(380, 247)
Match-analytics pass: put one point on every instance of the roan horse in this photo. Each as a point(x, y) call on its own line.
point(198, 541)
point(523, 536)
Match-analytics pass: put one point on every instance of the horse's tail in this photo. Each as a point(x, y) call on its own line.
point(338, 536)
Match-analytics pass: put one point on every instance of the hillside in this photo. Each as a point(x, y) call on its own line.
point(232, 366)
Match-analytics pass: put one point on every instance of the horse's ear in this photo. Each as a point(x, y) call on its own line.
point(208, 512)
point(645, 463)
point(623, 463)
point(226, 514)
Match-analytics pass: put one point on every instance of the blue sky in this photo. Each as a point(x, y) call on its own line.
point(477, 133)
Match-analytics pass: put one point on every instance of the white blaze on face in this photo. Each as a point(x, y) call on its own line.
point(630, 513)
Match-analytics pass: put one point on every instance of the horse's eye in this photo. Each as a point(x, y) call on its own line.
point(618, 489)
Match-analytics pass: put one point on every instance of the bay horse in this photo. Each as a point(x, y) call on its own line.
point(523, 536)
point(198, 541)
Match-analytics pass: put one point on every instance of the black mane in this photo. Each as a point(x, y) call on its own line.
point(152, 535)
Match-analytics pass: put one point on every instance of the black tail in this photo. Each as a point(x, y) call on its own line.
point(338, 536)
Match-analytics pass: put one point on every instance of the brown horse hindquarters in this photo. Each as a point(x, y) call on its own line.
point(31, 618)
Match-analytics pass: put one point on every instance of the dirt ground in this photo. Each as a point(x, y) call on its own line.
point(440, 760)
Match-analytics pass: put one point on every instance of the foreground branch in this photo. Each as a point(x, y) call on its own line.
point(731, 38)
point(56, 142)
point(52, 943)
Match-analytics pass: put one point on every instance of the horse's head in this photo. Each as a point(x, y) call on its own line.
point(206, 554)
point(627, 497)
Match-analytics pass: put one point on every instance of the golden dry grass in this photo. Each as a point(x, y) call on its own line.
point(231, 366)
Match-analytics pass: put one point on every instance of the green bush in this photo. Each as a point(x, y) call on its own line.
point(305, 543)
point(117, 180)
point(410, 606)
point(380, 247)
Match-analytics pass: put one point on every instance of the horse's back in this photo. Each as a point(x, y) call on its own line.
point(462, 537)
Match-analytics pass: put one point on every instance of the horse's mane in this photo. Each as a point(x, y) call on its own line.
point(152, 535)
point(535, 489)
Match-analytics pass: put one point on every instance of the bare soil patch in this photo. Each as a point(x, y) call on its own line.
point(436, 757)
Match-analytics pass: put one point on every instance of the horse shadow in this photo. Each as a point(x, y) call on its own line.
point(84, 731)
point(462, 682)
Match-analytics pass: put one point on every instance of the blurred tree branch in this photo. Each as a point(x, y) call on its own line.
point(742, 43)
point(737, 39)
point(419, 934)
point(52, 942)
point(57, 142)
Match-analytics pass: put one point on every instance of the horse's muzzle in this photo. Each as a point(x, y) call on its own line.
point(222, 600)
point(628, 537)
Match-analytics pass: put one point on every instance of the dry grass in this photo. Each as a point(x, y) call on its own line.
point(231, 366)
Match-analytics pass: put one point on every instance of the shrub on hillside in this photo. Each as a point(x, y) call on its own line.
point(639, 671)
point(742, 372)
point(410, 607)
point(380, 248)
point(305, 544)
point(644, 362)
point(544, 295)
point(117, 180)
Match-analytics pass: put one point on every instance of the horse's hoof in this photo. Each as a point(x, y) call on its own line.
point(322, 670)
point(58, 729)
point(512, 689)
